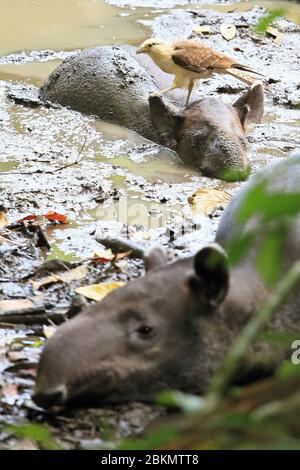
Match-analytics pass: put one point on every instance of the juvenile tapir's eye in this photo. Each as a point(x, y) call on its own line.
point(144, 332)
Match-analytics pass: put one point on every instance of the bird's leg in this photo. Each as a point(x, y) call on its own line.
point(165, 90)
point(190, 88)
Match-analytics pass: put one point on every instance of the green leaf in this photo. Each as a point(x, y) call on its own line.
point(238, 247)
point(269, 258)
point(36, 432)
point(188, 403)
point(269, 205)
point(268, 19)
point(154, 440)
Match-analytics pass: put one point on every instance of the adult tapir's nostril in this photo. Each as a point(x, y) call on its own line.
point(50, 398)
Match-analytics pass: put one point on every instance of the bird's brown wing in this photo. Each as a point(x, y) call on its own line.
point(198, 57)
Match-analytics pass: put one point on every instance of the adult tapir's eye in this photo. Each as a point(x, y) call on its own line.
point(145, 332)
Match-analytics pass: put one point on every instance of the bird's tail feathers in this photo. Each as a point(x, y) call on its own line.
point(245, 68)
point(245, 77)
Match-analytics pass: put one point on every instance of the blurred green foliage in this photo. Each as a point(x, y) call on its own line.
point(38, 433)
point(263, 415)
point(268, 19)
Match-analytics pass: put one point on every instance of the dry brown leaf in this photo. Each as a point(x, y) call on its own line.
point(203, 201)
point(9, 393)
point(277, 35)
point(73, 275)
point(108, 255)
point(15, 305)
point(3, 219)
point(203, 29)
point(49, 331)
point(105, 254)
point(228, 30)
point(98, 291)
point(15, 356)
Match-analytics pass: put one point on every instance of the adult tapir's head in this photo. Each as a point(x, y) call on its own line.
point(210, 134)
point(150, 335)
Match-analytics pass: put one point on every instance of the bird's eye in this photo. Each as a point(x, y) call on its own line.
point(145, 332)
point(150, 45)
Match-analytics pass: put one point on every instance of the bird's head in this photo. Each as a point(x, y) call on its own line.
point(151, 46)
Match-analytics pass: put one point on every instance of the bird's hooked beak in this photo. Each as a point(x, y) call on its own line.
point(139, 50)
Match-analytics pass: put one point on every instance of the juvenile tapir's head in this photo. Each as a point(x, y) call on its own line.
point(210, 134)
point(150, 335)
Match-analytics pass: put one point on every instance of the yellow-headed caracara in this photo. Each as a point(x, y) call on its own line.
point(191, 60)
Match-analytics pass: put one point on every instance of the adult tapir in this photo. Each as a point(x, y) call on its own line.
point(111, 82)
point(171, 328)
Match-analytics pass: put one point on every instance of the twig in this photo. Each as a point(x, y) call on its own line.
point(79, 159)
point(250, 333)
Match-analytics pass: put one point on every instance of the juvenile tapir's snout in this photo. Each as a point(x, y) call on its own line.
point(141, 339)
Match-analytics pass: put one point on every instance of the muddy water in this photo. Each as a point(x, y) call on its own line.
point(60, 25)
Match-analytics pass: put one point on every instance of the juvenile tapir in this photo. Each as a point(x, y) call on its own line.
point(114, 84)
point(171, 328)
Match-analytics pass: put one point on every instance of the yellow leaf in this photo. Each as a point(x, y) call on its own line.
point(106, 254)
point(203, 201)
point(98, 291)
point(15, 305)
point(204, 29)
point(277, 35)
point(3, 219)
point(228, 31)
point(49, 331)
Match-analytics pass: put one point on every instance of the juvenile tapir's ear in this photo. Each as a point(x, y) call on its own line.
point(212, 273)
point(154, 258)
point(166, 118)
point(250, 106)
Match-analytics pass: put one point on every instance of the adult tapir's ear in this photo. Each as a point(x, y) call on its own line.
point(166, 118)
point(212, 273)
point(154, 258)
point(250, 106)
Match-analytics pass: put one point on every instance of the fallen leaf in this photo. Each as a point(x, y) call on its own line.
point(28, 218)
point(277, 35)
point(50, 216)
point(203, 29)
point(15, 305)
point(49, 331)
point(108, 255)
point(56, 217)
point(103, 256)
point(120, 256)
point(15, 356)
point(3, 219)
point(73, 275)
point(203, 201)
point(228, 31)
point(9, 393)
point(98, 291)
